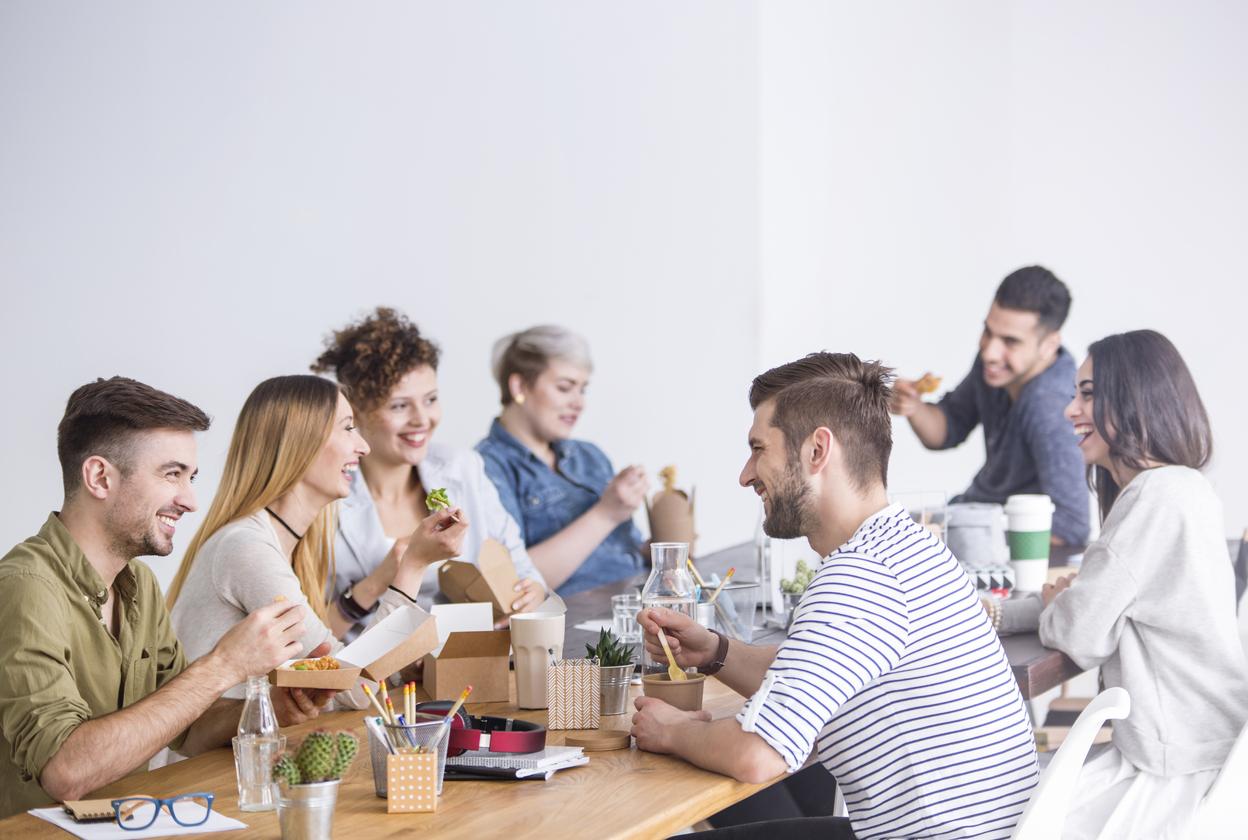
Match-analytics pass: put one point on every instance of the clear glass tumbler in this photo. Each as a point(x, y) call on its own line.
point(624, 609)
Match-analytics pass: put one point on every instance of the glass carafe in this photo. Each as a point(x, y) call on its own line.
point(255, 748)
point(670, 585)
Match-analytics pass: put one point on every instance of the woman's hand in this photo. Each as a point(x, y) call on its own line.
point(624, 494)
point(532, 595)
point(1051, 590)
point(437, 537)
point(692, 644)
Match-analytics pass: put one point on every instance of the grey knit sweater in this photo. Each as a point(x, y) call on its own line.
point(1154, 607)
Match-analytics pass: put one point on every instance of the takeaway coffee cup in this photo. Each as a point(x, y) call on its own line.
point(1029, 522)
point(537, 639)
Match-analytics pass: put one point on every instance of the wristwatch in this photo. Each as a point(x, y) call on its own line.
point(720, 653)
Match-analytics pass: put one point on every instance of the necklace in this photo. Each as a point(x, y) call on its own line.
point(284, 525)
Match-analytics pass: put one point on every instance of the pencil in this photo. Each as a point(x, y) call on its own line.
point(696, 576)
point(446, 727)
point(722, 584)
point(380, 708)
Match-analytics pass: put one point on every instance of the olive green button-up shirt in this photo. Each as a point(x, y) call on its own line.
point(59, 665)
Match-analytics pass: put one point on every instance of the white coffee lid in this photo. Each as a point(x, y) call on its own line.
point(1029, 503)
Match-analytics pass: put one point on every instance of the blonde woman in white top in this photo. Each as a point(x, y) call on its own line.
point(270, 530)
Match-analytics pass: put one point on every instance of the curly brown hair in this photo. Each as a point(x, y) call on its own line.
point(370, 356)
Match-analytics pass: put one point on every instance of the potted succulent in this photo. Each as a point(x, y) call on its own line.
point(794, 588)
point(615, 663)
point(308, 783)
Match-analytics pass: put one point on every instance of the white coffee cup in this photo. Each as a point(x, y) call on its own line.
point(537, 639)
point(1030, 575)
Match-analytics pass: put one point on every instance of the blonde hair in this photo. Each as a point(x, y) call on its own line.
point(281, 430)
point(529, 353)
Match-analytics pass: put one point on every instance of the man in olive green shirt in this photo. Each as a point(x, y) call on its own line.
point(94, 681)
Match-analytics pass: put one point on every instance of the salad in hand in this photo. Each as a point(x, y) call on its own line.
point(437, 500)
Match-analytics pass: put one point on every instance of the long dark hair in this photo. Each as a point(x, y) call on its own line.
point(1146, 407)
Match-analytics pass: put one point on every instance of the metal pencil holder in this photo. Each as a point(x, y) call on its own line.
point(421, 732)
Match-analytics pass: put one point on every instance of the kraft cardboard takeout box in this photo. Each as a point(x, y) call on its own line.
point(397, 640)
point(671, 517)
point(491, 580)
point(470, 653)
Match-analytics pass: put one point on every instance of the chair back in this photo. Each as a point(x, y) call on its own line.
point(1045, 814)
point(1222, 813)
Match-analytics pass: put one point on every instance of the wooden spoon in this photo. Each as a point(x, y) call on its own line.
point(673, 670)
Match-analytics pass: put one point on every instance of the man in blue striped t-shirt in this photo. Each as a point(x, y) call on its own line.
point(891, 671)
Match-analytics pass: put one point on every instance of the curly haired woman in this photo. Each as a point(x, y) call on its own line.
point(390, 370)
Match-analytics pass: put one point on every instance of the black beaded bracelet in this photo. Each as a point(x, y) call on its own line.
point(350, 609)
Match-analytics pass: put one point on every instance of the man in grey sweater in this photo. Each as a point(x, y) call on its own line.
point(1018, 387)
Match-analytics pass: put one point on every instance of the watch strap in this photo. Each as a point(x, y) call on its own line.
point(720, 654)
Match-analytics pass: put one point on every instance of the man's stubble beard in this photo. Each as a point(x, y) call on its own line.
point(792, 509)
point(132, 530)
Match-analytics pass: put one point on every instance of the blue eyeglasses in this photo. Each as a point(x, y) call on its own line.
point(135, 813)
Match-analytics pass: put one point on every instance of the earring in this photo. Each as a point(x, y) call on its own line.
point(519, 398)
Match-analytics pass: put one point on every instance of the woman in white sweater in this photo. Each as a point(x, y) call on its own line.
point(270, 529)
point(1153, 604)
point(390, 371)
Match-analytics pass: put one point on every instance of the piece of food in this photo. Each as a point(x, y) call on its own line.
point(928, 384)
point(437, 500)
point(325, 663)
point(277, 598)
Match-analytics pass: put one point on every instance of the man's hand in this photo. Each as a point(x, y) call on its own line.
point(299, 705)
point(261, 641)
point(532, 595)
point(1051, 590)
point(904, 399)
point(655, 724)
point(692, 644)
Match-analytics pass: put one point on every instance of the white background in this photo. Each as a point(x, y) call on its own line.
point(195, 194)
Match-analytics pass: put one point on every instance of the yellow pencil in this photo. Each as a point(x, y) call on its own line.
point(722, 584)
point(380, 709)
point(696, 576)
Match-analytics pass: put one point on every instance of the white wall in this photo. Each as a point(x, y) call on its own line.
point(913, 154)
point(195, 195)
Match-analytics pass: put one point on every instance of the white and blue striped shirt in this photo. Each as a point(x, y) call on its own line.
point(892, 671)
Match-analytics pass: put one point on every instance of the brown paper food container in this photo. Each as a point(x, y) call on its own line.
point(682, 694)
point(671, 517)
point(479, 659)
point(572, 694)
point(491, 580)
point(411, 783)
point(398, 639)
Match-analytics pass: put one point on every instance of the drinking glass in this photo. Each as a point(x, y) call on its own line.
point(624, 609)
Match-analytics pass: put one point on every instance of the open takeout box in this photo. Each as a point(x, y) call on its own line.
point(469, 653)
point(491, 580)
point(400, 638)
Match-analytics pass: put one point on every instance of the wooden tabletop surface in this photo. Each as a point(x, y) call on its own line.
point(619, 794)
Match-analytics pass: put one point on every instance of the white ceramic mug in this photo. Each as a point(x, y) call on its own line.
point(537, 640)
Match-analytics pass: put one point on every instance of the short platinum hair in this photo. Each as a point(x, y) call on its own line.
point(530, 352)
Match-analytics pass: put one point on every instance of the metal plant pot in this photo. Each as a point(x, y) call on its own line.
point(306, 812)
point(613, 688)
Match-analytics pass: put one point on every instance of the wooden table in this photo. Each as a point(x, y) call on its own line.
point(620, 794)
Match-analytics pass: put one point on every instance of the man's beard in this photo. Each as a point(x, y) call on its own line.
point(132, 531)
point(792, 510)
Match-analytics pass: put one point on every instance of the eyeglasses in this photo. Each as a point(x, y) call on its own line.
point(135, 813)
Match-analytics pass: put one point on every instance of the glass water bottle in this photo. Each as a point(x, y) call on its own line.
point(670, 585)
point(255, 749)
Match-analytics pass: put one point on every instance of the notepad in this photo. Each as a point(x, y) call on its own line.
point(551, 756)
point(163, 827)
point(90, 810)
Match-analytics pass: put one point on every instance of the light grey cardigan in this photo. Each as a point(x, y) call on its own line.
point(362, 544)
point(1154, 607)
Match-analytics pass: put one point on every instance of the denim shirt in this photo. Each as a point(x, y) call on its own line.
point(545, 502)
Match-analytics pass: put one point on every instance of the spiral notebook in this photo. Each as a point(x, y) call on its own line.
point(551, 757)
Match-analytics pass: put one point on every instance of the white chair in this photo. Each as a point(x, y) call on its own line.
point(1222, 813)
point(1045, 814)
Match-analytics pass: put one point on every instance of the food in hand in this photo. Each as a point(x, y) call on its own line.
point(928, 384)
point(325, 663)
point(277, 598)
point(437, 500)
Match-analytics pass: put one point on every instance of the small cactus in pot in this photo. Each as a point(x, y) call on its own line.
point(323, 756)
point(615, 662)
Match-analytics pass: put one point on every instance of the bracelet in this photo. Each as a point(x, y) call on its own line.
point(401, 592)
point(720, 654)
point(350, 608)
point(994, 613)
